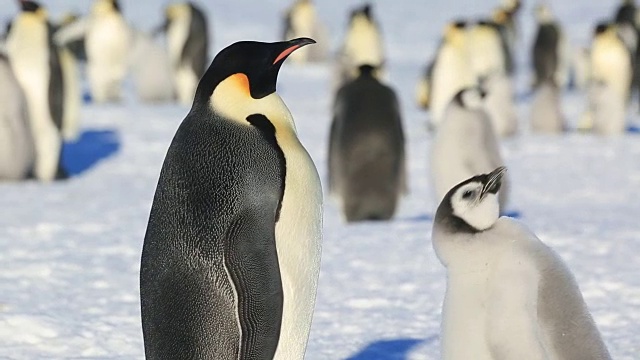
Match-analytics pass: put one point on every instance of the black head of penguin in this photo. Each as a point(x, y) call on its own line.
point(601, 28)
point(364, 10)
point(29, 6)
point(259, 61)
point(116, 6)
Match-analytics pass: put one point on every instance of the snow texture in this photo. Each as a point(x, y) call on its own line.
point(70, 251)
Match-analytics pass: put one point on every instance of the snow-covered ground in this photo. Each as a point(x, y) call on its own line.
point(69, 251)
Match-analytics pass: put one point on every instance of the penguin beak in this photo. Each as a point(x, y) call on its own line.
point(291, 46)
point(494, 181)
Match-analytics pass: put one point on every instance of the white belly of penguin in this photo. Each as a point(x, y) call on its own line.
point(464, 316)
point(298, 237)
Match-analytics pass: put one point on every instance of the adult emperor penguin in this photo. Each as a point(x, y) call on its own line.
point(366, 151)
point(465, 144)
point(231, 255)
point(363, 45)
point(611, 76)
point(188, 43)
point(36, 65)
point(17, 153)
point(107, 43)
point(451, 70)
point(546, 47)
point(508, 295)
point(546, 112)
point(301, 20)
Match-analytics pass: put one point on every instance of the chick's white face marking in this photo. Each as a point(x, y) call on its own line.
point(478, 210)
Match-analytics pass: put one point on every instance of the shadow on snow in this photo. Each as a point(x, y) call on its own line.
point(90, 147)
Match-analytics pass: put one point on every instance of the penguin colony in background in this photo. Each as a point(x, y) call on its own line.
point(508, 295)
point(231, 256)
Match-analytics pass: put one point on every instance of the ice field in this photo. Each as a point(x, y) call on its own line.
point(70, 251)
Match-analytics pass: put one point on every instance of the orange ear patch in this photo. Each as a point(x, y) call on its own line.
point(286, 53)
point(241, 82)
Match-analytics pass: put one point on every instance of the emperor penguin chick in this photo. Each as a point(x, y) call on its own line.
point(35, 62)
point(451, 71)
point(546, 113)
point(362, 45)
point(465, 144)
point(301, 20)
point(231, 256)
point(186, 27)
point(366, 151)
point(500, 105)
point(108, 42)
point(508, 295)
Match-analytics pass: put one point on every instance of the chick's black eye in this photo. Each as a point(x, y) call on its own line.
point(467, 194)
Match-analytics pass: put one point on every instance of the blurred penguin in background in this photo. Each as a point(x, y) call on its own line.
point(107, 43)
point(187, 35)
point(465, 144)
point(627, 20)
point(550, 51)
point(301, 20)
point(451, 71)
point(499, 104)
point(17, 153)
point(75, 46)
point(546, 113)
point(151, 70)
point(35, 62)
point(500, 20)
point(423, 89)
point(610, 81)
point(362, 45)
point(367, 171)
point(486, 51)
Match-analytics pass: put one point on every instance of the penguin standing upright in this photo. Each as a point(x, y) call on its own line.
point(465, 144)
point(610, 80)
point(451, 71)
point(188, 43)
point(107, 43)
point(72, 94)
point(550, 55)
point(366, 154)
point(301, 20)
point(231, 255)
point(362, 45)
point(17, 152)
point(35, 62)
point(508, 295)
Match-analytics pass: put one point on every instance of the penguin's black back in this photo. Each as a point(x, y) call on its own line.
point(195, 50)
point(214, 214)
point(368, 138)
point(545, 52)
point(56, 85)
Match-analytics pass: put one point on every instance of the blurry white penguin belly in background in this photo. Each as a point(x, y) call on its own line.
point(187, 40)
point(17, 153)
point(108, 43)
point(362, 46)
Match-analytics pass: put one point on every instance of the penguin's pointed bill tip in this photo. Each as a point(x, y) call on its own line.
point(293, 45)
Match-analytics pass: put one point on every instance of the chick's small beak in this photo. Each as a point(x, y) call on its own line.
point(494, 181)
point(293, 45)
